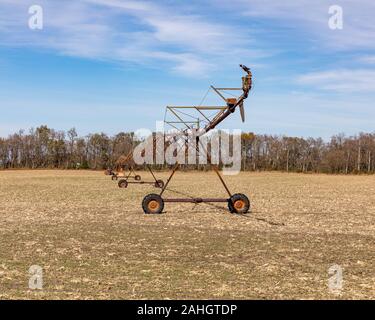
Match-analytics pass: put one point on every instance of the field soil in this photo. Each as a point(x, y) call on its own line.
point(93, 241)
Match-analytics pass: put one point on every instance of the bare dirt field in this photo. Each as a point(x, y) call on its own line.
point(93, 240)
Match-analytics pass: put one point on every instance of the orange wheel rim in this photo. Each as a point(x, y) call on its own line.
point(153, 205)
point(239, 204)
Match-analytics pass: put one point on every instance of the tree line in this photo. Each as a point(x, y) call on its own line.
point(44, 147)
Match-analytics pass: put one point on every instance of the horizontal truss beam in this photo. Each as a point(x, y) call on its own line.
point(189, 122)
point(199, 107)
point(195, 200)
point(228, 89)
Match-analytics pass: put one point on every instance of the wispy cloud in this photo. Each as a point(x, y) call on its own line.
point(287, 43)
point(342, 80)
point(122, 30)
point(311, 18)
point(367, 59)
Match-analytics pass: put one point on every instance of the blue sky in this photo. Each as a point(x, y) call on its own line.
point(113, 65)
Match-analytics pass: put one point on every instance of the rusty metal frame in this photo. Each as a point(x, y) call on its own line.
point(155, 182)
point(132, 171)
point(222, 113)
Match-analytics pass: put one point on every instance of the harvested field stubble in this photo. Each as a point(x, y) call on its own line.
point(93, 240)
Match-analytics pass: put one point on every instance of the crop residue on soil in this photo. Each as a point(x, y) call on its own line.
point(93, 241)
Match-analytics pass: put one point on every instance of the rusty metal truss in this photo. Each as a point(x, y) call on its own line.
point(203, 119)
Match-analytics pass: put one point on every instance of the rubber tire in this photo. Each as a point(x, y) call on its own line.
point(152, 197)
point(137, 178)
point(159, 184)
point(114, 177)
point(123, 183)
point(237, 197)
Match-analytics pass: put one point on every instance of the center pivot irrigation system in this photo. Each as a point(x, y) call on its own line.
point(132, 177)
point(197, 118)
point(123, 183)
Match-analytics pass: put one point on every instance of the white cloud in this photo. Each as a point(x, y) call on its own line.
point(311, 17)
point(127, 5)
point(121, 30)
point(343, 80)
point(367, 59)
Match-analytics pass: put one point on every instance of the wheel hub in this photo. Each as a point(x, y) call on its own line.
point(239, 204)
point(153, 205)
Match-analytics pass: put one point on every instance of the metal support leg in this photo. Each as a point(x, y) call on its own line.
point(170, 178)
point(216, 169)
point(130, 172)
point(152, 173)
point(222, 181)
